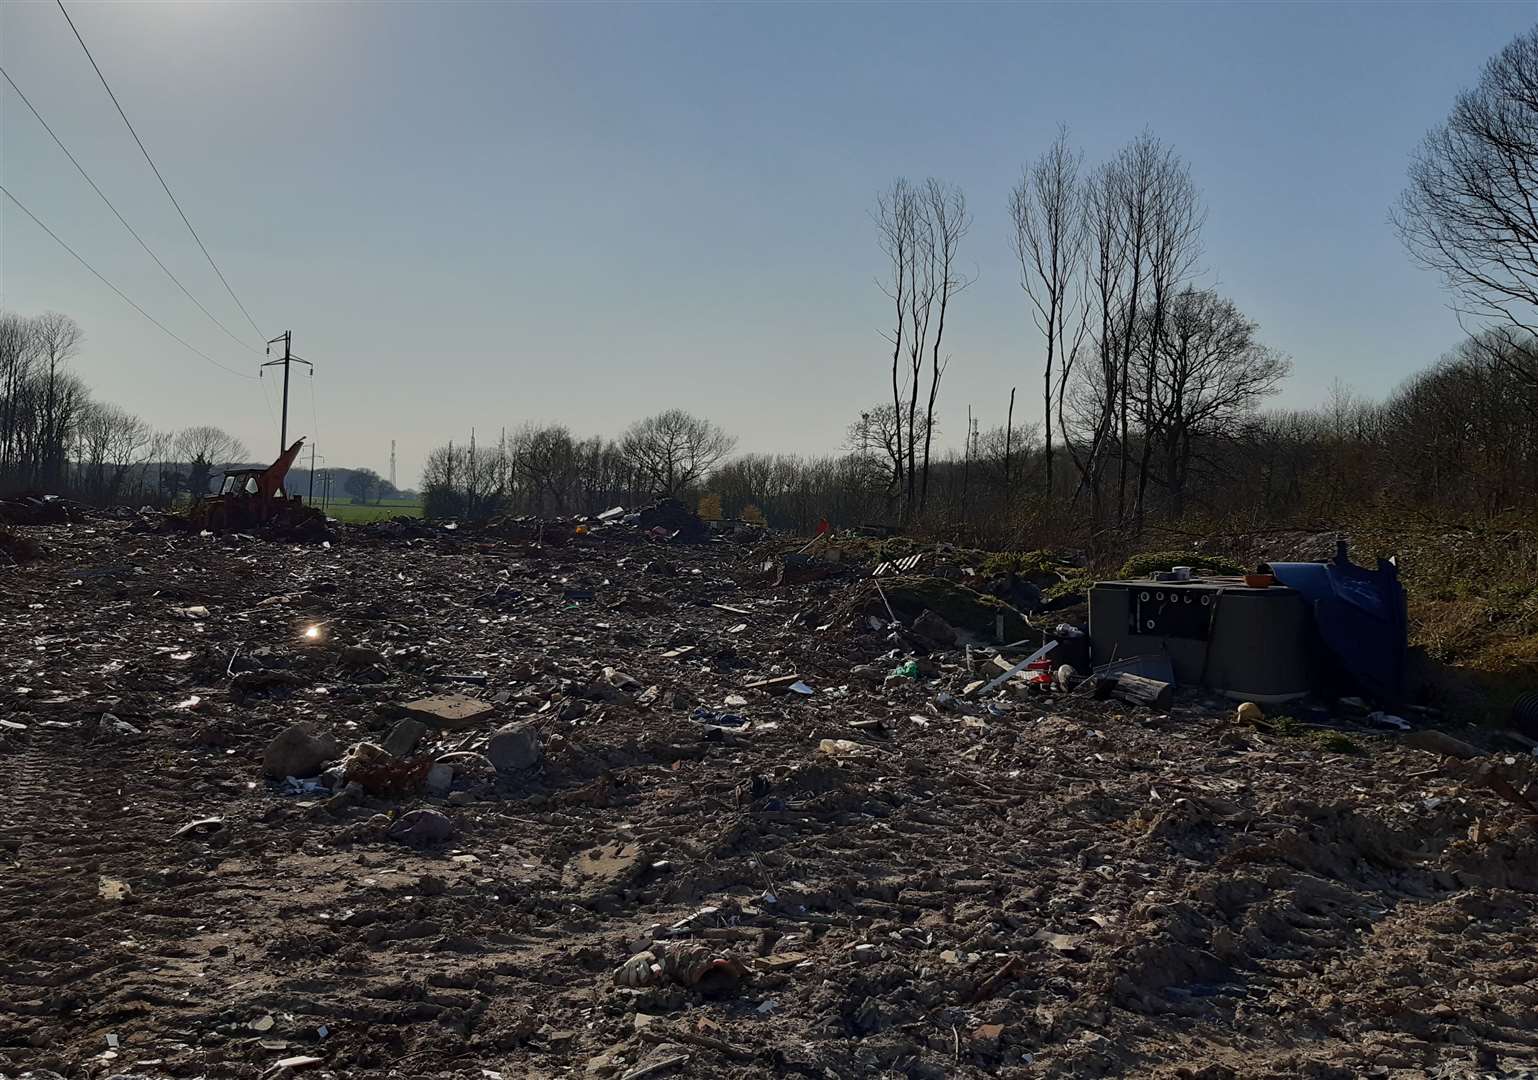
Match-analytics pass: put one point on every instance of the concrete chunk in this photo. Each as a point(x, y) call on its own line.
point(449, 712)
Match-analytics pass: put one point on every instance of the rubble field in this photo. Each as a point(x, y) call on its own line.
point(856, 876)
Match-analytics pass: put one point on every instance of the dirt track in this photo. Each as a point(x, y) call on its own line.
point(1068, 889)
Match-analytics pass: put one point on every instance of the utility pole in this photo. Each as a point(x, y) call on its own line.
point(288, 358)
point(392, 463)
point(312, 472)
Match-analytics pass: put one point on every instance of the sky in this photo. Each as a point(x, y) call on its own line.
point(485, 215)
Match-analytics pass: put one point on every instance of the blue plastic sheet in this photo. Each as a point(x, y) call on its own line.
point(1361, 617)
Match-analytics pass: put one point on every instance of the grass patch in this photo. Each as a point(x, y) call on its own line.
point(354, 514)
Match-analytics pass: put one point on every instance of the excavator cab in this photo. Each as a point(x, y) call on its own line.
point(252, 498)
point(247, 482)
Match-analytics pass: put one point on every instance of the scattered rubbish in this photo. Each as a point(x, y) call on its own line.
point(778, 685)
point(908, 669)
point(114, 890)
point(715, 719)
point(844, 748)
point(201, 827)
point(687, 963)
point(1388, 720)
point(383, 775)
point(1249, 713)
point(1135, 690)
point(262, 1023)
point(1063, 943)
point(799, 687)
point(1017, 668)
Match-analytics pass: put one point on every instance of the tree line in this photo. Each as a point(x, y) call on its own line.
point(56, 437)
point(544, 469)
point(1153, 387)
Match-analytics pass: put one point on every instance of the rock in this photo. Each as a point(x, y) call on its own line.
point(934, 629)
point(617, 678)
point(360, 656)
point(251, 683)
point(449, 712)
point(512, 747)
point(868, 673)
point(299, 751)
point(575, 709)
point(404, 736)
point(349, 797)
point(1249, 713)
point(439, 779)
point(422, 828)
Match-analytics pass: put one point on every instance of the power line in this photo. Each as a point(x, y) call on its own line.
point(131, 231)
point(162, 179)
point(126, 298)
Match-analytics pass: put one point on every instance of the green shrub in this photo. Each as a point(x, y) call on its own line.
point(1027, 564)
point(1155, 561)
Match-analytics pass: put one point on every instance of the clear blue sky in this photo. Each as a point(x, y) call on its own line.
point(493, 213)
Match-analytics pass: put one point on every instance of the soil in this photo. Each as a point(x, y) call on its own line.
point(1050, 887)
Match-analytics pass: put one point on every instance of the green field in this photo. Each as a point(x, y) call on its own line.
point(343, 510)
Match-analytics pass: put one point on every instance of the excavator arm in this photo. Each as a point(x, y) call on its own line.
point(272, 477)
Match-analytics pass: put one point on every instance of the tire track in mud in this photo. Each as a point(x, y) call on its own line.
point(62, 829)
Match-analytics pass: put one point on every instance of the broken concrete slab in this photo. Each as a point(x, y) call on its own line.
point(449, 712)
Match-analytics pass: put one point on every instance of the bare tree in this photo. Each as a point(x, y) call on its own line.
point(1174, 245)
point(1206, 374)
point(1050, 234)
point(108, 444)
point(920, 229)
point(1471, 209)
point(1097, 390)
point(673, 450)
point(897, 227)
point(203, 448)
point(946, 221)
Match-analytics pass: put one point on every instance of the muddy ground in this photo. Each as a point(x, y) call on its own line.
point(1051, 888)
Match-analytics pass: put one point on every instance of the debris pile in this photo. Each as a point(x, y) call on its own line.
point(582, 799)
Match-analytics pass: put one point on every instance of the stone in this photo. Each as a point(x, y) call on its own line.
point(299, 751)
point(934, 629)
point(361, 656)
point(439, 779)
point(512, 747)
point(422, 828)
point(404, 736)
point(449, 712)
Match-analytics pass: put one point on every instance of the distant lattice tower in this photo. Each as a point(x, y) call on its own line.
point(392, 462)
